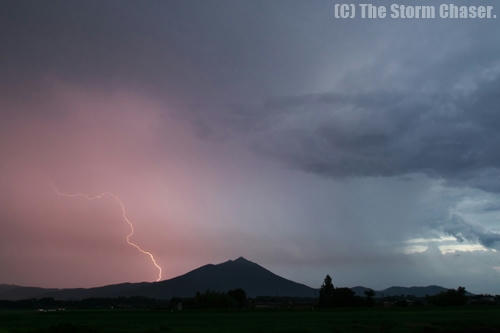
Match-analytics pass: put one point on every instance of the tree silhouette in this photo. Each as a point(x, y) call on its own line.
point(326, 292)
point(369, 293)
point(239, 295)
point(449, 297)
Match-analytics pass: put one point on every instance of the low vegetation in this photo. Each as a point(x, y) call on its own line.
point(335, 310)
point(375, 319)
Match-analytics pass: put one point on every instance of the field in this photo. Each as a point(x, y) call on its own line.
point(473, 319)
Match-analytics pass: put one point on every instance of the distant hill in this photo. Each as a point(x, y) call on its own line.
point(13, 292)
point(405, 291)
point(359, 291)
point(239, 273)
point(413, 291)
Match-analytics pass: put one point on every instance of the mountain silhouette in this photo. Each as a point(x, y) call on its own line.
point(232, 274)
point(413, 291)
point(403, 291)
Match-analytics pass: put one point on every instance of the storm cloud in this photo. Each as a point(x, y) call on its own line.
point(462, 231)
point(365, 149)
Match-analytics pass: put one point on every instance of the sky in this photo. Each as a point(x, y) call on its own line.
point(363, 149)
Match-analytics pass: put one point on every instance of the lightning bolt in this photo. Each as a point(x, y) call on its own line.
point(124, 217)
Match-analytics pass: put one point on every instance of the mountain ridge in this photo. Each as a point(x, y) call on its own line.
point(417, 291)
point(231, 274)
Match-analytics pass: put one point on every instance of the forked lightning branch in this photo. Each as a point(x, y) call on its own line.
point(125, 218)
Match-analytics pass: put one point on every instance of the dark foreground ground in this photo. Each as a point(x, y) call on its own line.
point(426, 319)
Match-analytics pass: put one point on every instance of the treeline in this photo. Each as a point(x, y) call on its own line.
point(329, 297)
point(236, 298)
point(135, 302)
point(449, 298)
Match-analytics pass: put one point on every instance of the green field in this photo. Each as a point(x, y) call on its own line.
point(426, 319)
